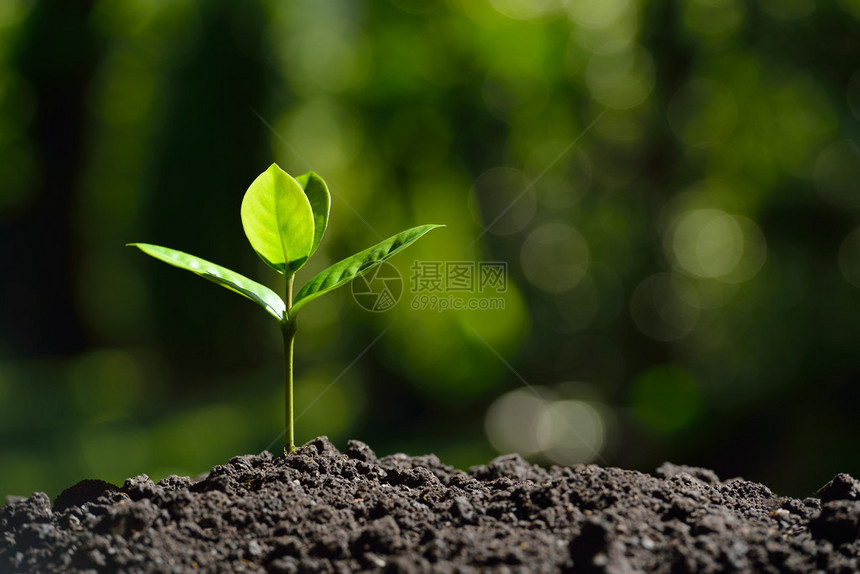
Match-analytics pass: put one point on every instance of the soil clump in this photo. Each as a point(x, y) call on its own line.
point(321, 510)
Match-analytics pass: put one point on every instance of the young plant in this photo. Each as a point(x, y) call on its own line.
point(284, 219)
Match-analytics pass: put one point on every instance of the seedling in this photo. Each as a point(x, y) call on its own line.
point(284, 219)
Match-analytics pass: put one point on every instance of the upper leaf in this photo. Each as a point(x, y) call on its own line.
point(356, 265)
point(318, 196)
point(278, 220)
point(260, 294)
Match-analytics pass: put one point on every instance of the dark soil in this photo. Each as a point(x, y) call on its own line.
point(323, 511)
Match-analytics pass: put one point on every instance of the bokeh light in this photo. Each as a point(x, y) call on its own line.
point(620, 75)
point(539, 421)
point(710, 243)
point(596, 14)
point(555, 257)
point(671, 186)
point(570, 432)
point(510, 421)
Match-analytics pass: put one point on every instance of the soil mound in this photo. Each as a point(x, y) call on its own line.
point(320, 510)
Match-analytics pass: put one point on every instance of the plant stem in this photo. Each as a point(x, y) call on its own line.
point(288, 329)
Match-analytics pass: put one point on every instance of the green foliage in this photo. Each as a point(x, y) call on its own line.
point(320, 200)
point(278, 220)
point(260, 294)
point(284, 219)
point(357, 265)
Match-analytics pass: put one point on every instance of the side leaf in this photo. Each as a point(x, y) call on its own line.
point(318, 196)
point(357, 265)
point(278, 220)
point(260, 294)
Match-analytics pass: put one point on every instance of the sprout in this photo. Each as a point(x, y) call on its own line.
point(284, 220)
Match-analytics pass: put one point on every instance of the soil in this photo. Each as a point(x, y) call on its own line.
point(320, 510)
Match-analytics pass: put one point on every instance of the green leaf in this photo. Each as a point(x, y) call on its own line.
point(260, 294)
point(357, 265)
point(318, 196)
point(278, 220)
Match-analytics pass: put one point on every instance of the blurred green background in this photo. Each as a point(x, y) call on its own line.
point(674, 186)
